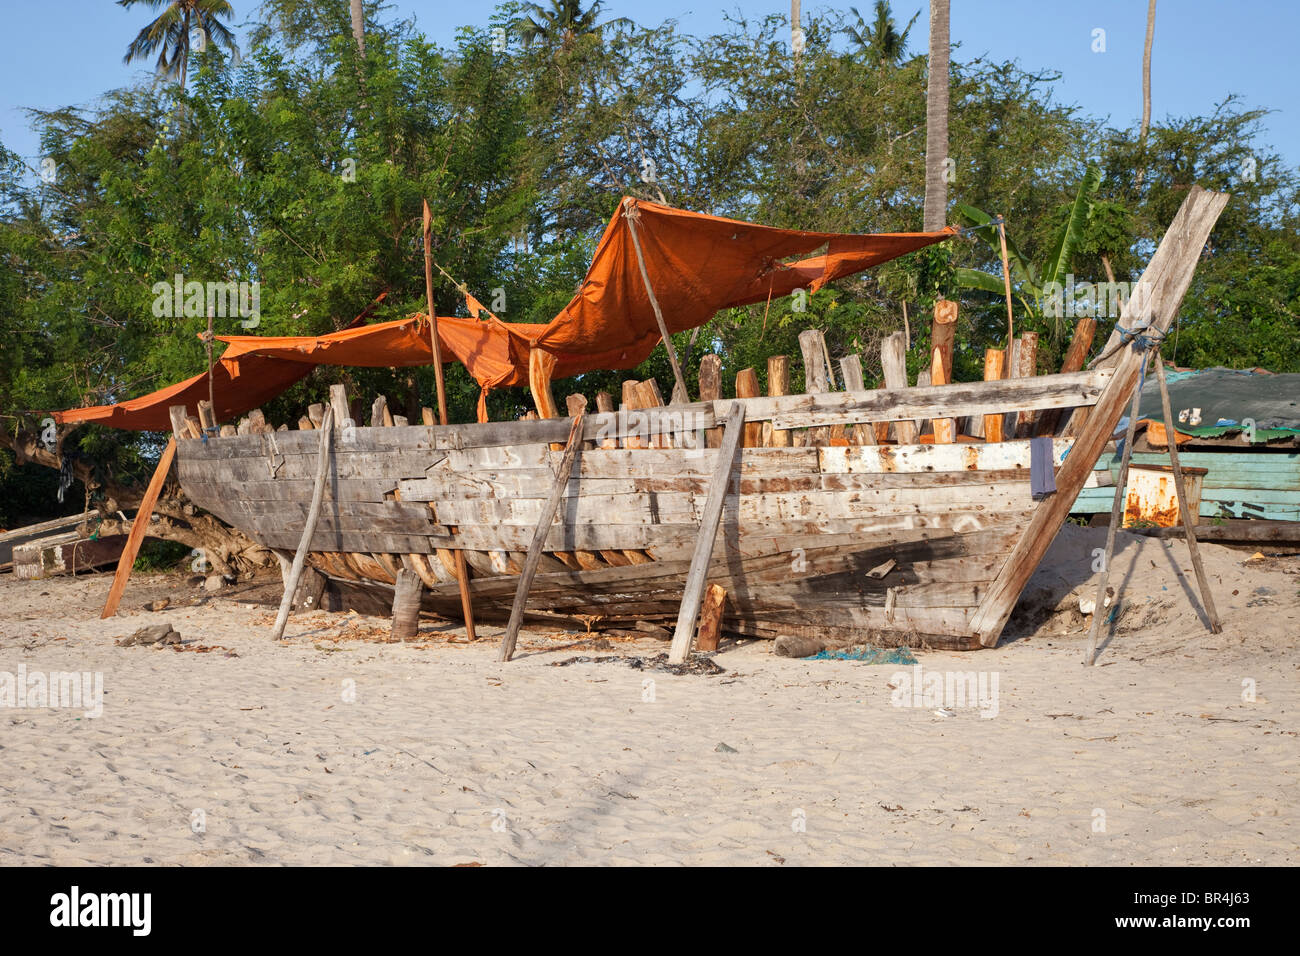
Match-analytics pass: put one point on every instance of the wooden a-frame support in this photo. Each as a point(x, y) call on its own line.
point(697, 577)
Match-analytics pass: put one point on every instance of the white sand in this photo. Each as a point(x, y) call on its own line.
point(575, 767)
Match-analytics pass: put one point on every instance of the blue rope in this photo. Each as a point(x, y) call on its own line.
point(1142, 339)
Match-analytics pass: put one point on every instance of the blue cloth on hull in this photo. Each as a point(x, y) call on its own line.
point(1042, 477)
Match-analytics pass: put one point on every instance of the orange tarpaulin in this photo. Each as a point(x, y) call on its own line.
point(697, 265)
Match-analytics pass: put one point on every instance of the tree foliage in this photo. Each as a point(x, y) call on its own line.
point(302, 167)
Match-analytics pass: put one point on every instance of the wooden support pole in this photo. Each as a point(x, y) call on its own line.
point(711, 391)
point(575, 404)
point(435, 346)
point(313, 516)
point(406, 606)
point(680, 395)
point(138, 527)
point(604, 405)
point(747, 387)
point(544, 522)
point(994, 363)
point(1006, 280)
point(696, 577)
point(816, 374)
point(1180, 487)
point(338, 407)
point(177, 413)
point(207, 418)
point(945, 429)
point(1116, 518)
point(778, 383)
point(943, 333)
point(893, 359)
point(851, 372)
point(379, 412)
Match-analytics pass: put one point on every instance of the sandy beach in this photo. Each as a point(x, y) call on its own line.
point(336, 747)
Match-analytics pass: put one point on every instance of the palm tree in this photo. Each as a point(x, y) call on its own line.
point(358, 25)
point(169, 33)
point(881, 39)
point(936, 120)
point(564, 21)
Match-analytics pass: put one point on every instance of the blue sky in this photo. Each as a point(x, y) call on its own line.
point(68, 52)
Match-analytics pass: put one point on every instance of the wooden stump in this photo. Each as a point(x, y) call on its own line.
point(710, 626)
point(406, 606)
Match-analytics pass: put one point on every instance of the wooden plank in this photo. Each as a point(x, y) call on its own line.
point(378, 412)
point(696, 578)
point(790, 411)
point(544, 521)
point(1162, 287)
point(138, 528)
point(919, 458)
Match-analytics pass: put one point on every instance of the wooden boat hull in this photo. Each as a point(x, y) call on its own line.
point(888, 544)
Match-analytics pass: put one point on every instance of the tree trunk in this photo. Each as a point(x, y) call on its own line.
point(936, 120)
point(358, 26)
point(1146, 75)
point(1146, 92)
